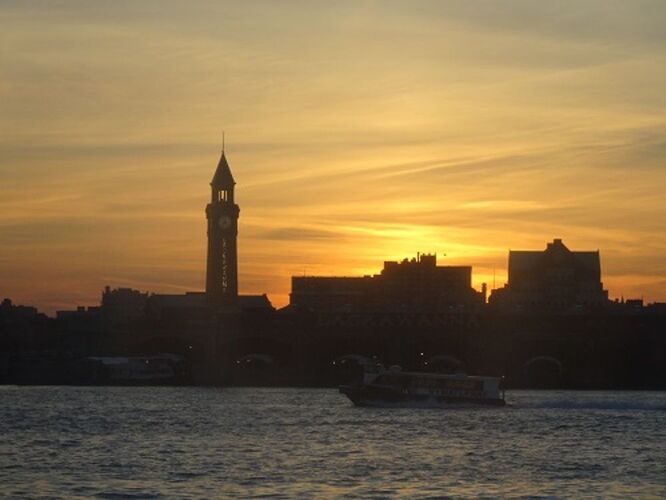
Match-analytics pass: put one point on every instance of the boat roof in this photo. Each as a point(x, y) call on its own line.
point(455, 376)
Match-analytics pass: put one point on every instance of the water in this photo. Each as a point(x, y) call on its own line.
point(81, 442)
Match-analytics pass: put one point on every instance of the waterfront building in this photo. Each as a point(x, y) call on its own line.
point(197, 309)
point(222, 215)
point(410, 285)
point(122, 305)
point(552, 279)
point(10, 310)
point(193, 306)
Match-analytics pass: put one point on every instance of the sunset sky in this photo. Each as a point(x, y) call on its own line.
point(357, 132)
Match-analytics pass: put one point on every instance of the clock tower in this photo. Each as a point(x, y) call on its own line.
point(222, 215)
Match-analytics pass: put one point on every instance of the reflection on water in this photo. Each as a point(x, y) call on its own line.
point(175, 442)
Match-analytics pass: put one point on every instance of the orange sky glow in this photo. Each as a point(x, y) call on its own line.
point(357, 132)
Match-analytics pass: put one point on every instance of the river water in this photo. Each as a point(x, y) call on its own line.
point(163, 442)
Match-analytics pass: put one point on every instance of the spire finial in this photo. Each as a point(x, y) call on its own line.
point(223, 141)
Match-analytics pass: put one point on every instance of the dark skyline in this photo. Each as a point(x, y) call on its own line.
point(413, 313)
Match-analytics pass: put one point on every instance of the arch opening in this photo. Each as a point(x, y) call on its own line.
point(544, 372)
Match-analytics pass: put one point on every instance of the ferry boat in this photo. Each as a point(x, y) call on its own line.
point(157, 369)
point(380, 387)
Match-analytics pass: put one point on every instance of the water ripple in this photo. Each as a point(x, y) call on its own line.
point(119, 443)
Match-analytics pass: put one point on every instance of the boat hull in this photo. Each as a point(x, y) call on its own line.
point(390, 397)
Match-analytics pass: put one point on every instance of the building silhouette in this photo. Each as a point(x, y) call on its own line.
point(553, 279)
point(411, 285)
point(196, 309)
point(222, 216)
point(551, 325)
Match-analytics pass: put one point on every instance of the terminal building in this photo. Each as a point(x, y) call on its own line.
point(411, 285)
point(555, 279)
point(137, 322)
point(221, 293)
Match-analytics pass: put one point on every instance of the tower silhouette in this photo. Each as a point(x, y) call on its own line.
point(222, 214)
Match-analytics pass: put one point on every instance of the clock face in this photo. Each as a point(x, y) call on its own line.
point(224, 222)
